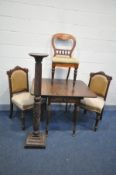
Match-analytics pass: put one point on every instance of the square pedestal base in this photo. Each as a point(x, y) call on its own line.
point(36, 141)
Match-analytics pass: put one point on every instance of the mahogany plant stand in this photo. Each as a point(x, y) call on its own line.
point(36, 139)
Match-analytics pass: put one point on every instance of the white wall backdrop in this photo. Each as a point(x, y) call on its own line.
point(27, 26)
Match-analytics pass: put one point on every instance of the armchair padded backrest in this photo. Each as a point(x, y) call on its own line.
point(18, 79)
point(99, 83)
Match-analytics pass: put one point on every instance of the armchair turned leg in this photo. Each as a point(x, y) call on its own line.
point(66, 107)
point(85, 111)
point(97, 121)
point(11, 110)
point(22, 120)
point(101, 115)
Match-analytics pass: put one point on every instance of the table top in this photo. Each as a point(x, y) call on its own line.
point(63, 88)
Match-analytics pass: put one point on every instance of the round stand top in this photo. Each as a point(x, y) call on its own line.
point(38, 54)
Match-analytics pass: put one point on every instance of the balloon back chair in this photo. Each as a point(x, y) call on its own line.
point(19, 91)
point(63, 46)
point(99, 83)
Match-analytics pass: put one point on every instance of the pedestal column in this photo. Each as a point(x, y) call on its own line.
point(37, 139)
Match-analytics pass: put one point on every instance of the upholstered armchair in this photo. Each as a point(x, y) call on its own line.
point(99, 83)
point(19, 91)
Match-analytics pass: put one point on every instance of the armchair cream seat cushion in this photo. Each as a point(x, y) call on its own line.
point(94, 104)
point(64, 59)
point(23, 100)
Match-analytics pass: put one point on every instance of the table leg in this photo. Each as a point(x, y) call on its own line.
point(48, 115)
point(75, 113)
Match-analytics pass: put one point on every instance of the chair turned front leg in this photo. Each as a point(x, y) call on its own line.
point(68, 74)
point(11, 110)
point(53, 71)
point(75, 76)
point(97, 121)
point(22, 120)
